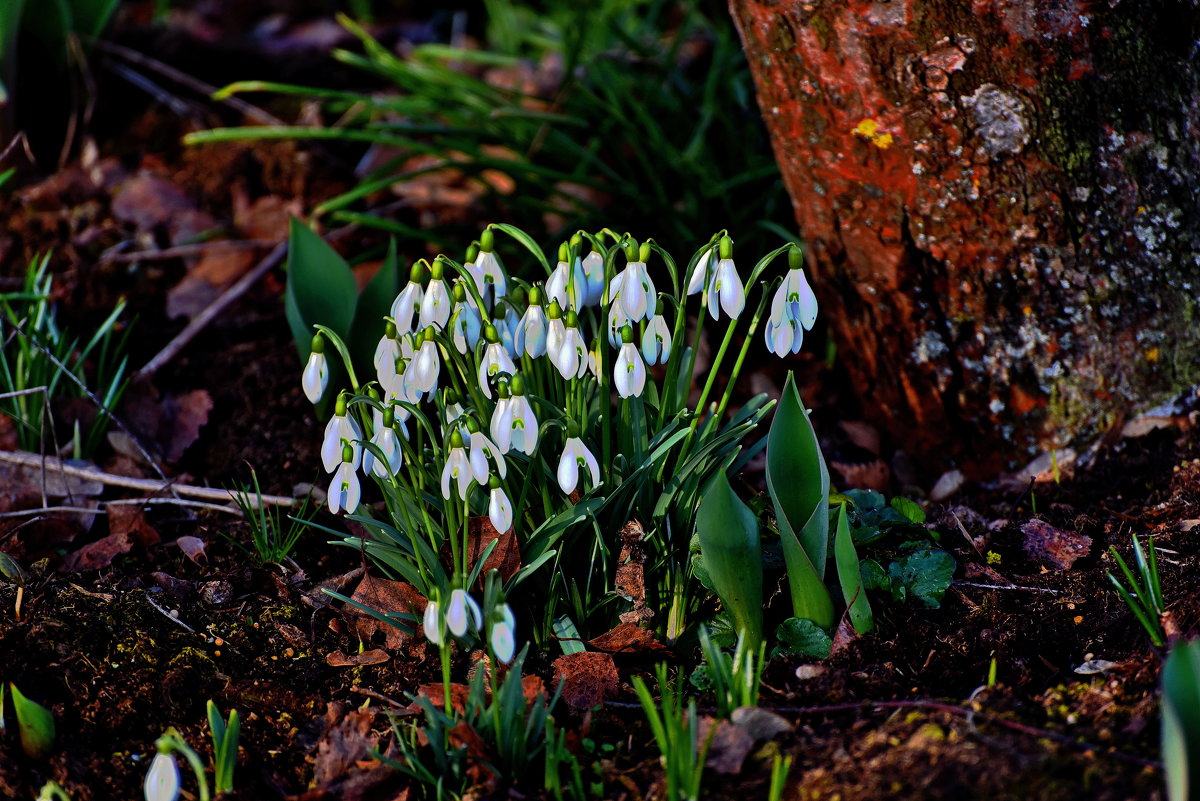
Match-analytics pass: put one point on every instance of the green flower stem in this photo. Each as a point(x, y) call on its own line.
point(340, 347)
point(172, 741)
point(737, 365)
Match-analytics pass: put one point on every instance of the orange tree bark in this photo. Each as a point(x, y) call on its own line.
point(1000, 199)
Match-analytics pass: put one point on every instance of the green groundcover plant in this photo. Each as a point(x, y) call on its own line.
point(558, 410)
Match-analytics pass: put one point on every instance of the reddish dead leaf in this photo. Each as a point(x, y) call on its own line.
point(533, 688)
point(343, 767)
point(203, 283)
point(193, 548)
point(266, 217)
point(188, 412)
point(1054, 547)
point(628, 638)
point(98, 554)
point(505, 557)
point(373, 657)
point(147, 201)
point(459, 693)
point(844, 635)
point(729, 746)
point(131, 519)
point(169, 423)
point(587, 678)
point(481, 779)
point(631, 574)
point(385, 596)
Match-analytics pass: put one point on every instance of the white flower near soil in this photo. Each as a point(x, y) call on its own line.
point(162, 779)
point(793, 311)
point(576, 455)
point(503, 637)
point(345, 492)
point(339, 431)
point(316, 376)
point(629, 375)
point(500, 510)
point(432, 623)
point(462, 613)
point(457, 468)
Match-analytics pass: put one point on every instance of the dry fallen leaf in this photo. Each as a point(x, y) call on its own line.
point(628, 638)
point(386, 596)
point(729, 746)
point(587, 678)
point(373, 657)
point(505, 557)
point(193, 548)
point(1054, 547)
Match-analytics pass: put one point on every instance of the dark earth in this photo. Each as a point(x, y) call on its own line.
point(121, 651)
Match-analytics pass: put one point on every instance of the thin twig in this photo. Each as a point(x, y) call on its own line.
point(1006, 587)
point(378, 696)
point(168, 615)
point(201, 320)
point(183, 251)
point(216, 507)
point(35, 461)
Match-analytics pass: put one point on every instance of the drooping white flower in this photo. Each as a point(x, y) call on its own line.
point(556, 332)
point(494, 282)
point(593, 271)
point(462, 613)
point(454, 416)
point(422, 375)
point(340, 430)
point(494, 363)
point(386, 439)
point(634, 290)
point(699, 277)
point(316, 375)
point(457, 467)
point(629, 375)
point(793, 311)
point(617, 319)
point(656, 340)
point(345, 492)
point(435, 306)
point(574, 456)
point(726, 291)
point(568, 284)
point(162, 779)
point(571, 355)
point(466, 323)
point(500, 510)
point(387, 352)
point(483, 450)
point(406, 304)
point(506, 323)
point(432, 623)
point(514, 424)
point(503, 638)
point(532, 329)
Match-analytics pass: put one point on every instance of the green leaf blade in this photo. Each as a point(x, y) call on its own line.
point(728, 534)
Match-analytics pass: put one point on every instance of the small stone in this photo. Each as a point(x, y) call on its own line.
point(807, 672)
point(949, 483)
point(216, 593)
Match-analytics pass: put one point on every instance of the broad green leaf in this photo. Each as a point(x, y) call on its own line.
point(910, 509)
point(1181, 721)
point(320, 288)
point(850, 577)
point(801, 636)
point(923, 574)
point(799, 485)
point(373, 305)
point(728, 533)
point(36, 724)
point(569, 638)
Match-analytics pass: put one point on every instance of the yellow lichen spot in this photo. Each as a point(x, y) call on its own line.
point(869, 129)
point(1027, 310)
point(1152, 355)
point(993, 558)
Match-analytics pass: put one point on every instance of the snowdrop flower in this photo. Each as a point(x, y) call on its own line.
point(497, 424)
point(793, 310)
point(432, 623)
point(514, 425)
point(344, 491)
point(633, 289)
point(656, 339)
point(473, 269)
point(483, 449)
point(466, 321)
point(617, 319)
point(532, 329)
point(571, 356)
point(506, 327)
point(462, 612)
point(405, 306)
point(495, 283)
point(567, 284)
point(629, 376)
point(388, 442)
point(495, 361)
point(593, 272)
point(457, 467)
point(699, 277)
point(316, 372)
point(503, 638)
point(435, 306)
point(556, 332)
point(340, 430)
point(422, 375)
point(576, 455)
point(386, 354)
point(500, 510)
point(725, 289)
point(162, 780)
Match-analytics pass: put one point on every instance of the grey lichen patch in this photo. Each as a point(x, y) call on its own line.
point(999, 119)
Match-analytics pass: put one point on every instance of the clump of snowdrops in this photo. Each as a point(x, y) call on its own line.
point(557, 410)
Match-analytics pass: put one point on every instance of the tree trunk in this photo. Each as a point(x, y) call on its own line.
point(1001, 203)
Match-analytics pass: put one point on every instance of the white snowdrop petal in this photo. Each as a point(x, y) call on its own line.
point(162, 779)
point(316, 377)
point(432, 623)
point(500, 510)
point(503, 642)
point(568, 468)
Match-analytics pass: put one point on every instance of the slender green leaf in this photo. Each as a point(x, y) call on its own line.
point(1181, 721)
point(850, 576)
point(36, 724)
point(728, 533)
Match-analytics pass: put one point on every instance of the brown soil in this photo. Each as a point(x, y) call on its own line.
point(122, 652)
